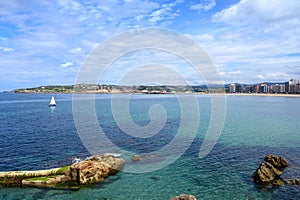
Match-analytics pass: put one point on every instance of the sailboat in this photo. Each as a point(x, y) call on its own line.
point(52, 102)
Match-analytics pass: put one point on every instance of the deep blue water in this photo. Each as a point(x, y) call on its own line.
point(34, 136)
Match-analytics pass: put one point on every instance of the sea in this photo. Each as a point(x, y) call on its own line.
point(34, 136)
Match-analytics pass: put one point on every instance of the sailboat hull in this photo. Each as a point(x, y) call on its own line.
point(52, 102)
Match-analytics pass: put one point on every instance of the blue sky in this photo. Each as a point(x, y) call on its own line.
point(46, 42)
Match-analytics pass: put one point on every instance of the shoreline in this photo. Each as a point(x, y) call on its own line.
point(92, 170)
point(262, 94)
point(174, 93)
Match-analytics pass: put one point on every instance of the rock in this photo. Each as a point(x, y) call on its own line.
point(135, 157)
point(45, 181)
point(278, 182)
point(184, 197)
point(293, 181)
point(15, 178)
point(270, 170)
point(278, 162)
point(95, 169)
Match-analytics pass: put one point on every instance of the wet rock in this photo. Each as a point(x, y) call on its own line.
point(184, 197)
point(95, 169)
point(278, 162)
point(278, 182)
point(92, 170)
point(270, 170)
point(135, 158)
point(45, 181)
point(15, 178)
point(293, 181)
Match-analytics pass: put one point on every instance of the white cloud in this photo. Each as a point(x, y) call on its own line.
point(6, 49)
point(203, 38)
point(205, 5)
point(234, 73)
point(260, 76)
point(264, 11)
point(232, 76)
point(279, 75)
point(231, 73)
point(47, 32)
point(165, 12)
point(69, 4)
point(252, 52)
point(67, 64)
point(76, 50)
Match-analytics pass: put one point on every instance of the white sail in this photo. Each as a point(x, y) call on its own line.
point(52, 102)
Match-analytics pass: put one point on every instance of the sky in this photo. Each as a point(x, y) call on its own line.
point(46, 42)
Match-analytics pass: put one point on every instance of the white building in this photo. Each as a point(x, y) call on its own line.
point(232, 88)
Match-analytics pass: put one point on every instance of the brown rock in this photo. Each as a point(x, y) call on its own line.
point(135, 158)
point(278, 182)
point(270, 170)
point(278, 162)
point(184, 197)
point(15, 178)
point(92, 170)
point(95, 169)
point(45, 181)
point(293, 181)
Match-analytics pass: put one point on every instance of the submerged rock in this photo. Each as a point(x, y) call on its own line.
point(148, 158)
point(184, 197)
point(136, 157)
point(270, 170)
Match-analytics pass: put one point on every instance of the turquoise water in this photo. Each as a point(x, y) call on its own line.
point(33, 136)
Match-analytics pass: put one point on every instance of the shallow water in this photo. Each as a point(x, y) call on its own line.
point(34, 136)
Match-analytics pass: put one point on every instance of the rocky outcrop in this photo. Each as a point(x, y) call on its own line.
point(50, 181)
point(16, 178)
point(184, 197)
point(270, 170)
point(135, 157)
point(93, 170)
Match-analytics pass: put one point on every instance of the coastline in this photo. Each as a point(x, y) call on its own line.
point(262, 94)
point(85, 172)
point(168, 93)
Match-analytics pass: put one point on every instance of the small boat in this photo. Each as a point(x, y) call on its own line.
point(52, 102)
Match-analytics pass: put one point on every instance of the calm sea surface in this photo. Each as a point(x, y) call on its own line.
point(34, 136)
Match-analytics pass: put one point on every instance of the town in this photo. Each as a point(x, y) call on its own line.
point(290, 87)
